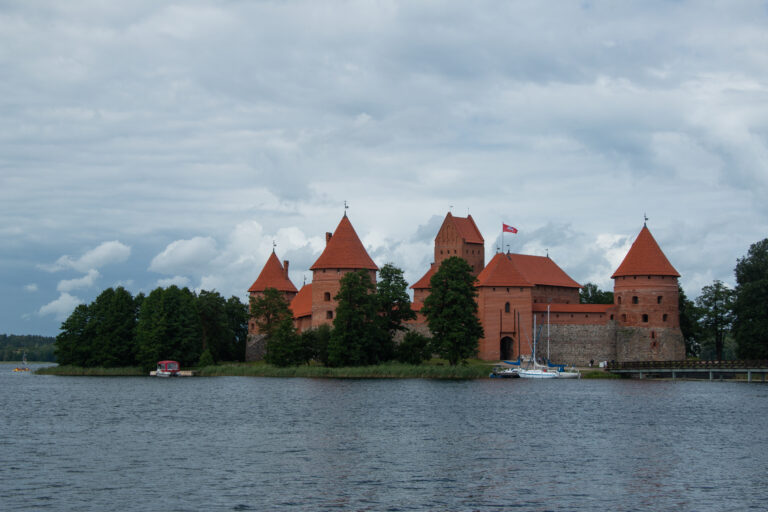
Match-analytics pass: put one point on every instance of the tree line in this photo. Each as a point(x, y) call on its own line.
point(37, 348)
point(118, 329)
point(370, 316)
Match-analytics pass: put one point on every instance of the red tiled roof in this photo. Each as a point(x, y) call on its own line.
point(301, 305)
point(344, 250)
point(424, 281)
point(467, 228)
point(645, 257)
point(501, 271)
point(541, 270)
point(540, 307)
point(272, 276)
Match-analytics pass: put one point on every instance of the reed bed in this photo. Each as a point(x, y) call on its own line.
point(380, 371)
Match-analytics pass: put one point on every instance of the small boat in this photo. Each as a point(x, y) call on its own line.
point(537, 373)
point(500, 372)
point(166, 369)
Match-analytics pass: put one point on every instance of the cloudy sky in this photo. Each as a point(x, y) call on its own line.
point(149, 143)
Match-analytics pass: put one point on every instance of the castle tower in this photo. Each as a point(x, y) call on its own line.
point(504, 308)
point(459, 236)
point(273, 275)
point(645, 291)
point(343, 253)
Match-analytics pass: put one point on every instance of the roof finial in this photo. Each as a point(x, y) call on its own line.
point(450, 209)
point(274, 244)
point(498, 249)
point(547, 252)
point(645, 221)
point(305, 280)
point(346, 207)
point(507, 248)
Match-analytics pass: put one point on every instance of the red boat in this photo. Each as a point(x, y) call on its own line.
point(167, 369)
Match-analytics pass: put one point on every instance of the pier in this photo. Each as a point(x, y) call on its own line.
point(691, 369)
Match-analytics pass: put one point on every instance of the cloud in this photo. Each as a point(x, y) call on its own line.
point(190, 256)
point(31, 287)
point(83, 282)
point(60, 308)
point(105, 254)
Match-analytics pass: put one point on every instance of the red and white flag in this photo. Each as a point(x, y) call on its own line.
point(508, 229)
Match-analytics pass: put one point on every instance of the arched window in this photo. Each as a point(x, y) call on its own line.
point(658, 299)
point(327, 296)
point(506, 307)
point(634, 299)
point(329, 315)
point(645, 318)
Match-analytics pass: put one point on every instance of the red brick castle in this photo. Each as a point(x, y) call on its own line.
point(514, 291)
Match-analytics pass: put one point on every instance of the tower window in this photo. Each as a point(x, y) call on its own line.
point(611, 317)
point(634, 299)
point(619, 299)
point(329, 315)
point(506, 307)
point(658, 299)
point(645, 318)
point(664, 317)
point(327, 296)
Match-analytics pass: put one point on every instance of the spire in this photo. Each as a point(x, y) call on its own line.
point(645, 257)
point(344, 250)
point(273, 275)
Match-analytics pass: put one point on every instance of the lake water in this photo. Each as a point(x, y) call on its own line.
point(240, 443)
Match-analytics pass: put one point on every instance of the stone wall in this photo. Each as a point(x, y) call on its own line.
point(255, 347)
point(578, 344)
point(649, 344)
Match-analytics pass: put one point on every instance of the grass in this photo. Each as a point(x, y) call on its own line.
point(78, 371)
point(599, 374)
point(435, 369)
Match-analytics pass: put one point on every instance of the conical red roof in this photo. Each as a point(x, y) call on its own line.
point(645, 257)
point(344, 250)
point(501, 271)
point(425, 279)
point(301, 305)
point(272, 276)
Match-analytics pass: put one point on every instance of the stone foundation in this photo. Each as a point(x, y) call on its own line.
point(255, 347)
point(578, 344)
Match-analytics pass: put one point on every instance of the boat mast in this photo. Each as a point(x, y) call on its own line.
point(547, 333)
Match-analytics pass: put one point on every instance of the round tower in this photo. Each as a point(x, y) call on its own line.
point(645, 292)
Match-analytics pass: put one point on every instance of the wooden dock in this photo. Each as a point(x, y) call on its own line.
point(711, 370)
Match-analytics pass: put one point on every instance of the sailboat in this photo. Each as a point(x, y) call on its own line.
point(24, 366)
point(536, 371)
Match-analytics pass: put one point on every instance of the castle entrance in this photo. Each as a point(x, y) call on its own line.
point(507, 348)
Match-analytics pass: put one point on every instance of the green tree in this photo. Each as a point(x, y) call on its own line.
point(358, 336)
point(215, 332)
point(394, 302)
point(314, 343)
point(451, 311)
point(750, 310)
point(168, 328)
point(113, 319)
point(716, 307)
point(237, 317)
point(414, 349)
point(591, 294)
point(269, 310)
point(690, 318)
point(74, 341)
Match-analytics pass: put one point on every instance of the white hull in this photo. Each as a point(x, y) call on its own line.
point(537, 374)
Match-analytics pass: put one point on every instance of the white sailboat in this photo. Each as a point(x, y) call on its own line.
point(536, 371)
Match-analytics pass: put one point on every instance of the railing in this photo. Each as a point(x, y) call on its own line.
point(689, 365)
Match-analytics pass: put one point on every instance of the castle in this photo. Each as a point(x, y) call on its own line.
point(515, 292)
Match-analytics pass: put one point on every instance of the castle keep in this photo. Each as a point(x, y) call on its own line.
point(515, 292)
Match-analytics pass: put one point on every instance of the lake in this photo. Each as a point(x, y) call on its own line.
point(244, 443)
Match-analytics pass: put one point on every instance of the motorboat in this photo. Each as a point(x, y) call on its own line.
point(166, 369)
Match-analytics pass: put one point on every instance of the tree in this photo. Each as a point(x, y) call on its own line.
point(269, 310)
point(394, 302)
point(75, 339)
point(690, 317)
point(168, 328)
point(358, 336)
point(113, 315)
point(314, 343)
point(237, 317)
point(716, 306)
point(215, 331)
point(591, 294)
point(414, 349)
point(750, 311)
point(451, 311)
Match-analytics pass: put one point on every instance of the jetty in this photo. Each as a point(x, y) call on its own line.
point(691, 369)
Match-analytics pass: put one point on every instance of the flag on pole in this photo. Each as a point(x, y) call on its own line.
point(508, 229)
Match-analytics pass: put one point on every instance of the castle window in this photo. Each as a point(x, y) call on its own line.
point(658, 299)
point(634, 299)
point(507, 290)
point(441, 251)
point(506, 307)
point(619, 299)
point(571, 315)
point(664, 317)
point(327, 296)
point(611, 317)
point(653, 335)
point(645, 318)
point(623, 317)
point(634, 277)
point(329, 315)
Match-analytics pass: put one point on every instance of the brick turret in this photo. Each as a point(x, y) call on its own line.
point(273, 275)
point(645, 292)
point(343, 253)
